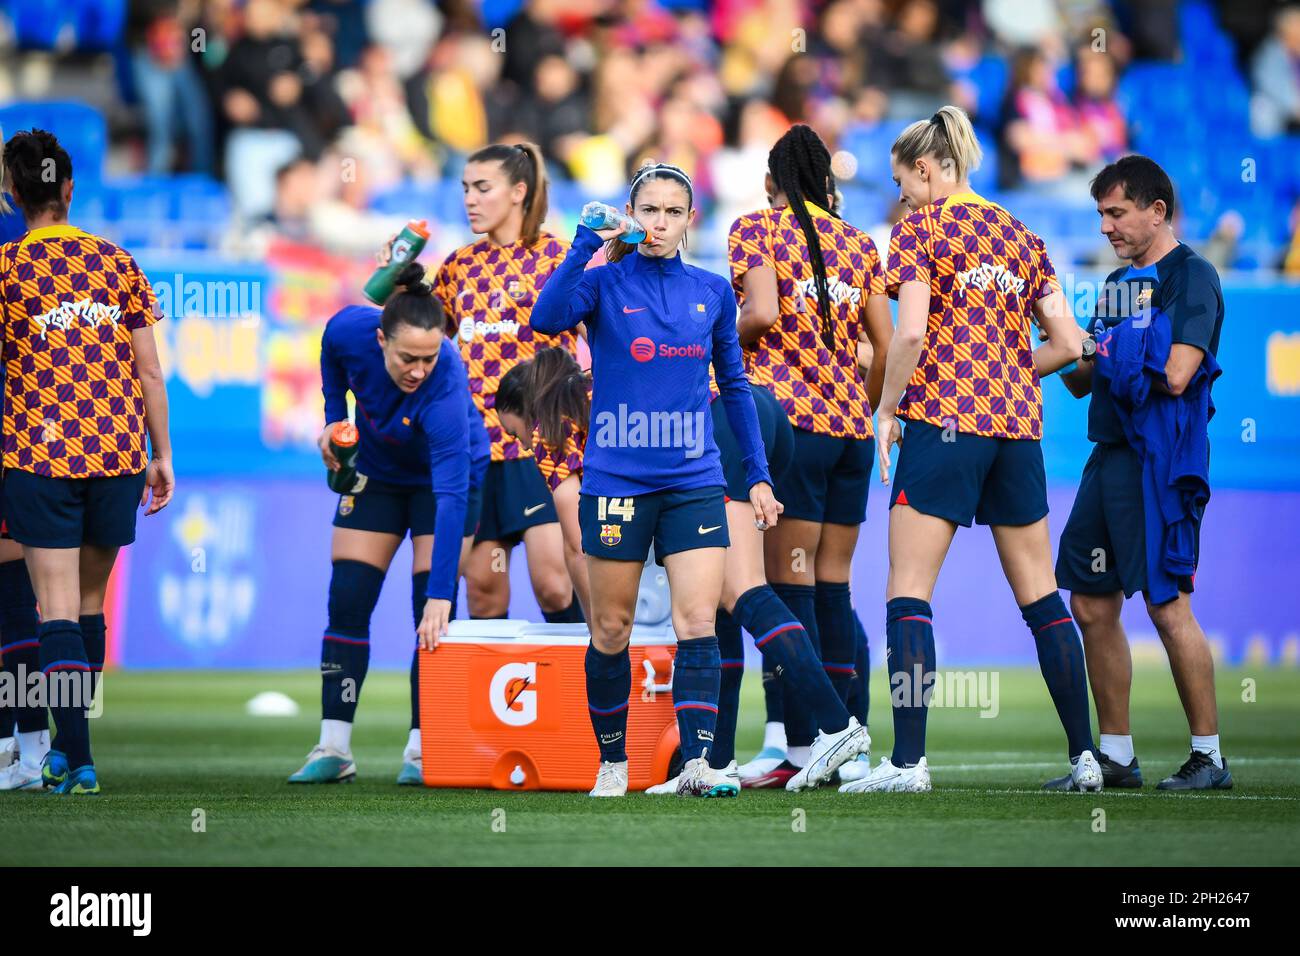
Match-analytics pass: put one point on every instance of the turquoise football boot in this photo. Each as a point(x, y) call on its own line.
point(326, 766)
point(54, 768)
point(80, 781)
point(412, 774)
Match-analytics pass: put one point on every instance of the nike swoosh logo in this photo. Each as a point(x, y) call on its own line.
point(704, 530)
point(534, 509)
point(627, 311)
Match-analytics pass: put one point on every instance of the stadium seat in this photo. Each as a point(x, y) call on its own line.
point(81, 130)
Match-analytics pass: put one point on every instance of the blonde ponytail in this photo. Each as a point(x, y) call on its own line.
point(947, 136)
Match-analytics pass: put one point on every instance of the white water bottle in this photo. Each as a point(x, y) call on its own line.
point(599, 215)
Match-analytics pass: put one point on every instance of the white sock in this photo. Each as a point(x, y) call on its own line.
point(336, 735)
point(34, 744)
point(774, 735)
point(1208, 746)
point(6, 744)
point(797, 755)
point(413, 743)
point(1118, 747)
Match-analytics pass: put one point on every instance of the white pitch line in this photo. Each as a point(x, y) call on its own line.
point(1118, 793)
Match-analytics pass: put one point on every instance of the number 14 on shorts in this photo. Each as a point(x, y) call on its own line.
point(621, 508)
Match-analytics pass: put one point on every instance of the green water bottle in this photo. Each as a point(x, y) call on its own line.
point(344, 446)
point(406, 247)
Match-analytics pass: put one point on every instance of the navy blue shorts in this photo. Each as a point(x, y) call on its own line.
point(515, 498)
point(773, 426)
point(994, 481)
point(43, 512)
point(622, 529)
point(397, 509)
point(1103, 546)
point(828, 479)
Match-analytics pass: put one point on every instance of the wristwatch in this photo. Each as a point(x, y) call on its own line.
point(1089, 348)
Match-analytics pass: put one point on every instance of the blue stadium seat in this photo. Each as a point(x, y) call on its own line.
point(80, 129)
point(99, 23)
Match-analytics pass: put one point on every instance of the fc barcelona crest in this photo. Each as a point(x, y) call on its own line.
point(611, 534)
point(1143, 299)
point(515, 289)
point(346, 504)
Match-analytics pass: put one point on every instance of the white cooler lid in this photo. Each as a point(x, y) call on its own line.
point(507, 631)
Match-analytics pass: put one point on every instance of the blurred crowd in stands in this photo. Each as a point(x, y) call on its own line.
point(309, 109)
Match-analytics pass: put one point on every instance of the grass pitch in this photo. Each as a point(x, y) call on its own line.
point(175, 749)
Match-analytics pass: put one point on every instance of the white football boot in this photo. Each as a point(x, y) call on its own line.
point(1085, 773)
point(611, 780)
point(886, 778)
point(698, 779)
point(8, 751)
point(19, 776)
point(854, 769)
point(669, 787)
point(829, 752)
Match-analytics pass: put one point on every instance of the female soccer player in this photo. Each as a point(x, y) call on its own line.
point(487, 290)
point(552, 391)
point(651, 469)
point(812, 295)
point(970, 279)
point(422, 449)
point(83, 388)
point(545, 403)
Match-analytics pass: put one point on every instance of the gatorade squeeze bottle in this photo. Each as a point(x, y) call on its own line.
point(406, 246)
point(344, 447)
point(598, 215)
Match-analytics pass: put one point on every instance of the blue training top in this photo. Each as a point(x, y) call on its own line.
point(653, 325)
point(433, 436)
point(1183, 286)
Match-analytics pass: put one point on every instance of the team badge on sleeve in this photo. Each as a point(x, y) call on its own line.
point(611, 534)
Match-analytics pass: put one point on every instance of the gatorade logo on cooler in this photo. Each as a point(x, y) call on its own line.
point(513, 695)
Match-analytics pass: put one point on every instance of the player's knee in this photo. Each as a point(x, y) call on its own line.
point(610, 630)
point(554, 592)
point(1171, 618)
point(696, 622)
point(354, 592)
point(1091, 610)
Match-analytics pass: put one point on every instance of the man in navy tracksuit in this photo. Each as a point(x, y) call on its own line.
point(1149, 402)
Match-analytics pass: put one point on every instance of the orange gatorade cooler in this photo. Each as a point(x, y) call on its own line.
point(503, 704)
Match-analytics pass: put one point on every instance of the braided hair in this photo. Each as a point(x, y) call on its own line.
point(800, 166)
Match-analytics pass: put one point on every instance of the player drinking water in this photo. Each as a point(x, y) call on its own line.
point(651, 469)
point(487, 290)
point(970, 278)
point(546, 403)
point(812, 295)
point(83, 388)
point(422, 449)
point(553, 391)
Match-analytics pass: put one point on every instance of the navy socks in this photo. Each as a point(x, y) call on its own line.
point(419, 587)
point(609, 684)
point(731, 651)
point(20, 645)
point(345, 647)
point(1060, 657)
point(63, 661)
point(909, 624)
point(859, 702)
point(835, 617)
point(94, 635)
point(696, 682)
point(786, 643)
point(800, 722)
point(569, 615)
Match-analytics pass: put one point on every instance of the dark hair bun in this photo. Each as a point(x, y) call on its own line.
point(411, 279)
